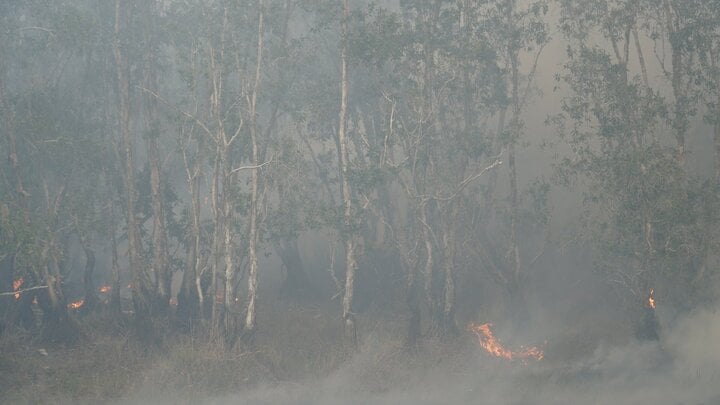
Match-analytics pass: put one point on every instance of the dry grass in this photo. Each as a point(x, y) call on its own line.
point(291, 345)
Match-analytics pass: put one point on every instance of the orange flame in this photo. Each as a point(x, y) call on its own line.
point(490, 344)
point(105, 289)
point(16, 286)
point(651, 299)
point(77, 304)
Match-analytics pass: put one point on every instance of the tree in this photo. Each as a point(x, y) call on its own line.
point(649, 222)
point(348, 316)
point(141, 285)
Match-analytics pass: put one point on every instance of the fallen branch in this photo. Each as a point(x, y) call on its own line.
point(40, 287)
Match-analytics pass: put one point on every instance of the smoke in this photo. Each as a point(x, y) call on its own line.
point(683, 367)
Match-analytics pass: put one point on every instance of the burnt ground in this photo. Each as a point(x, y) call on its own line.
point(297, 360)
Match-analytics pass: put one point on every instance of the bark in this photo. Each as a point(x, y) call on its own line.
point(229, 318)
point(190, 298)
point(714, 54)
point(115, 303)
point(250, 310)
point(716, 141)
point(681, 108)
point(140, 283)
point(160, 263)
point(218, 178)
point(429, 270)
point(57, 327)
point(514, 250)
point(21, 195)
point(221, 188)
point(296, 283)
point(90, 298)
point(349, 321)
point(448, 315)
point(413, 302)
point(412, 294)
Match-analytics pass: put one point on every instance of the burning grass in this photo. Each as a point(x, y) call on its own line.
point(297, 358)
point(492, 345)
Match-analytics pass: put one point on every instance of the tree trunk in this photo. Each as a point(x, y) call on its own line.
point(228, 316)
point(412, 294)
point(57, 325)
point(429, 271)
point(296, 283)
point(514, 250)
point(448, 326)
point(160, 262)
point(140, 283)
point(716, 140)
point(349, 321)
point(115, 303)
point(250, 311)
point(190, 298)
point(90, 298)
point(680, 113)
point(218, 245)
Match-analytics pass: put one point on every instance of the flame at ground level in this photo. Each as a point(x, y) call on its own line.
point(105, 289)
point(16, 286)
point(76, 304)
point(651, 299)
point(490, 344)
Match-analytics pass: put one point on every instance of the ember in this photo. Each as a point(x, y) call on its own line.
point(105, 289)
point(77, 304)
point(16, 286)
point(651, 299)
point(490, 344)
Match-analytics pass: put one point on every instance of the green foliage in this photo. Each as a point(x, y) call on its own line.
point(650, 217)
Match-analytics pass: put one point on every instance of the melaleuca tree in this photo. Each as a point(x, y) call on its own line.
point(229, 56)
point(645, 212)
point(51, 114)
point(426, 81)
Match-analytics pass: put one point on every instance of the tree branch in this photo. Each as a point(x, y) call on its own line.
point(237, 169)
point(40, 287)
point(183, 112)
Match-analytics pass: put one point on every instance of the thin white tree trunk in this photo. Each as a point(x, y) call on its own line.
point(350, 327)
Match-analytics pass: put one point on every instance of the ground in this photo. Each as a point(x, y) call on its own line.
point(297, 359)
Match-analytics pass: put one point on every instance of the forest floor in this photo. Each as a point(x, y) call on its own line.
point(294, 347)
point(297, 358)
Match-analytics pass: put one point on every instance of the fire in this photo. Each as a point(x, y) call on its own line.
point(651, 299)
point(489, 342)
point(105, 289)
point(77, 304)
point(16, 286)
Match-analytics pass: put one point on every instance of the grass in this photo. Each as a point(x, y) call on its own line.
point(291, 345)
point(294, 347)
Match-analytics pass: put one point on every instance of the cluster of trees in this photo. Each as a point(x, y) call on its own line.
point(191, 136)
